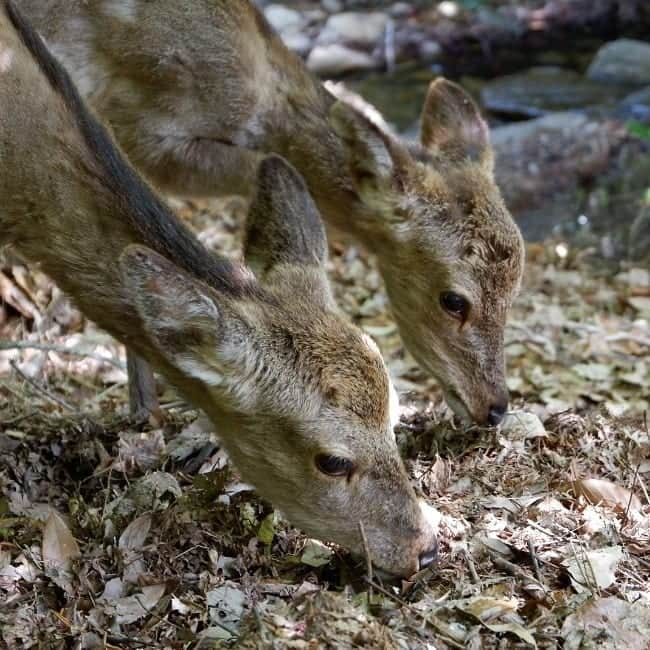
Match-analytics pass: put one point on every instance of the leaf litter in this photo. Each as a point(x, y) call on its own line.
point(115, 533)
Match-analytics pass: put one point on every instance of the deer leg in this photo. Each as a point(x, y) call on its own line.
point(143, 400)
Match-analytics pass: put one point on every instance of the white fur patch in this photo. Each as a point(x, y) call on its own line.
point(199, 370)
point(393, 405)
point(6, 58)
point(431, 515)
point(124, 10)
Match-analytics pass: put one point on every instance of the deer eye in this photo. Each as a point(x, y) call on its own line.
point(455, 304)
point(334, 465)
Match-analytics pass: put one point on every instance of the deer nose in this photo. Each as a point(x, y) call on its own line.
point(496, 412)
point(428, 558)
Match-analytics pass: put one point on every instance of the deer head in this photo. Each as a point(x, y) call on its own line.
point(301, 398)
point(449, 252)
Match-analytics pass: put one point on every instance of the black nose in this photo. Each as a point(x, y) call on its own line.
point(428, 558)
point(496, 413)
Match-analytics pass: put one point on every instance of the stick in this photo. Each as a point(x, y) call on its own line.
point(629, 501)
point(366, 550)
point(534, 561)
point(41, 389)
point(472, 568)
point(452, 638)
point(60, 349)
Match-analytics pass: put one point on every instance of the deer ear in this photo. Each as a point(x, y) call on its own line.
point(452, 123)
point(376, 159)
point(284, 226)
point(180, 315)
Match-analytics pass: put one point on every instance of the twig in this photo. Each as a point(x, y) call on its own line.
point(640, 340)
point(366, 550)
point(629, 501)
point(18, 418)
point(60, 349)
point(450, 636)
point(472, 568)
point(42, 390)
point(534, 561)
point(529, 583)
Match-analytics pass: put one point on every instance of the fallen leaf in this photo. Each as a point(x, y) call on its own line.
point(59, 547)
point(521, 425)
point(513, 628)
point(599, 491)
point(135, 534)
point(132, 608)
point(595, 569)
point(266, 530)
point(486, 608)
point(607, 624)
point(226, 605)
point(316, 553)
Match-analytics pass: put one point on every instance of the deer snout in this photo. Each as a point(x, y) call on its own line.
point(431, 523)
point(498, 408)
point(428, 557)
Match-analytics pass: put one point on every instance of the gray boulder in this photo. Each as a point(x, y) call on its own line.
point(623, 61)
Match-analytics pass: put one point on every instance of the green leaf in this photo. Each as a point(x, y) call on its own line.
point(638, 129)
point(266, 531)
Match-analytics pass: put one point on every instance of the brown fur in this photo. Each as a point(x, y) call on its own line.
point(196, 97)
point(282, 375)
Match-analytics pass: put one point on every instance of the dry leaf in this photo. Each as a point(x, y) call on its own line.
point(607, 624)
point(599, 491)
point(594, 569)
point(130, 609)
point(59, 547)
point(135, 534)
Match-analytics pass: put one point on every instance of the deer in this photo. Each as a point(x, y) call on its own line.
point(300, 397)
point(197, 94)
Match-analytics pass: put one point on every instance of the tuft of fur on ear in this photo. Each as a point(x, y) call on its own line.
point(452, 123)
point(177, 311)
point(284, 225)
point(375, 157)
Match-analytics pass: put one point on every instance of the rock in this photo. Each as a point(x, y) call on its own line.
point(361, 28)
point(284, 20)
point(637, 106)
point(400, 10)
point(299, 43)
point(333, 60)
point(540, 158)
point(622, 61)
point(332, 6)
point(540, 91)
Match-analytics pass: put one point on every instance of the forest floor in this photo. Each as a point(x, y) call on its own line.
point(115, 534)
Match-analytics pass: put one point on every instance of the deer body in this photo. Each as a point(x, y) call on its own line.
point(197, 93)
point(301, 399)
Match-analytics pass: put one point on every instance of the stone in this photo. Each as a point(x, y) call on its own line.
point(541, 159)
point(361, 28)
point(623, 61)
point(332, 6)
point(543, 90)
point(636, 106)
point(299, 43)
point(400, 10)
point(284, 20)
point(333, 60)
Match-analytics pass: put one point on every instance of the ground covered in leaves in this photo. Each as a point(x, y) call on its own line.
point(118, 534)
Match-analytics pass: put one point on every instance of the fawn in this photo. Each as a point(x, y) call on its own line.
point(300, 397)
point(198, 92)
